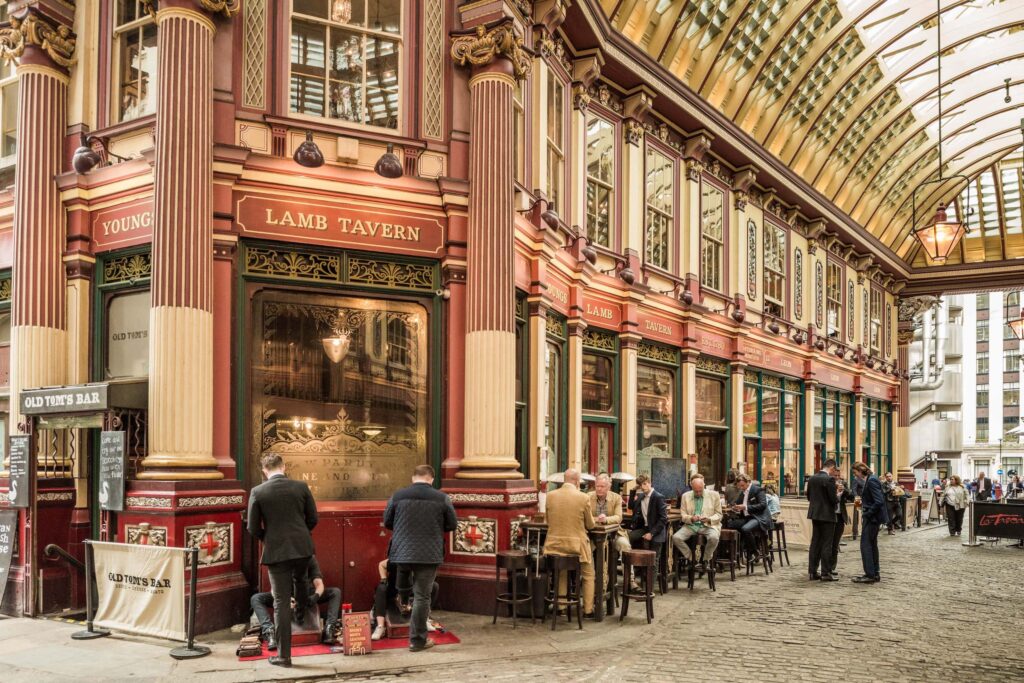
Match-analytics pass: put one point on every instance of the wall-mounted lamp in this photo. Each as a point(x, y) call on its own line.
point(444, 293)
point(389, 165)
point(336, 347)
point(773, 325)
point(588, 251)
point(308, 154)
point(622, 271)
point(85, 157)
point(549, 216)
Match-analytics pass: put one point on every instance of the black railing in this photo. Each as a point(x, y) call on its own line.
point(54, 551)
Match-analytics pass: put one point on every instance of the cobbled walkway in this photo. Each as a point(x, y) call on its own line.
point(942, 612)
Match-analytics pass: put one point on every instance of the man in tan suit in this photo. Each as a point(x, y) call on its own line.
point(569, 519)
point(606, 506)
point(701, 514)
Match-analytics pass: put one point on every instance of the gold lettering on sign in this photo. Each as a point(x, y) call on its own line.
point(712, 343)
point(298, 219)
point(786, 363)
point(559, 294)
point(389, 231)
point(116, 226)
point(600, 312)
point(833, 376)
point(654, 326)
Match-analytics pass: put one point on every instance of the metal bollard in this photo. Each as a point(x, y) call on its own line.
point(972, 540)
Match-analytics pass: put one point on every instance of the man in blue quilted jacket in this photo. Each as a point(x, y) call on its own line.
point(419, 516)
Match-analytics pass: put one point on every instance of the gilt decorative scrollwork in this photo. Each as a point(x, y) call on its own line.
point(57, 42)
point(484, 45)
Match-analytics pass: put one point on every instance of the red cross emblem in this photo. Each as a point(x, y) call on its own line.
point(474, 535)
point(209, 544)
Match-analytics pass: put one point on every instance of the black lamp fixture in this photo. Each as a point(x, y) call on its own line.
point(308, 154)
point(773, 326)
point(686, 297)
point(549, 216)
point(622, 271)
point(389, 165)
point(85, 157)
point(588, 251)
point(941, 234)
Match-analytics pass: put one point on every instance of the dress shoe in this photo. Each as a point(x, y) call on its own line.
point(590, 615)
point(272, 642)
point(829, 577)
point(330, 634)
point(285, 662)
point(864, 579)
point(815, 577)
point(425, 646)
point(834, 575)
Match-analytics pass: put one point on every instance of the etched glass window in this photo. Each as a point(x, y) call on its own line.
point(553, 411)
point(597, 383)
point(8, 113)
point(555, 139)
point(655, 408)
point(712, 237)
point(135, 60)
point(660, 192)
point(127, 342)
point(346, 60)
point(774, 270)
point(600, 178)
point(339, 388)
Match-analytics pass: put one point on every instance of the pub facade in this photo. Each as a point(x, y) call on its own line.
point(569, 269)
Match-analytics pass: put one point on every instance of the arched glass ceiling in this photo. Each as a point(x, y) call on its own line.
point(845, 93)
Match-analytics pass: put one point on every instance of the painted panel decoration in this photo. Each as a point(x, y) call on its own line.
point(851, 310)
point(798, 287)
point(888, 321)
point(213, 541)
point(819, 295)
point(475, 536)
point(867, 332)
point(751, 260)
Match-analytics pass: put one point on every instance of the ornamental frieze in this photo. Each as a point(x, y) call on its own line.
point(634, 132)
point(484, 45)
point(128, 268)
point(523, 497)
point(798, 287)
point(657, 352)
point(477, 497)
point(144, 534)
point(210, 501)
point(595, 339)
point(5, 289)
point(57, 42)
point(475, 536)
point(888, 322)
point(819, 295)
point(148, 502)
point(752, 260)
point(580, 97)
point(291, 264)
point(389, 274)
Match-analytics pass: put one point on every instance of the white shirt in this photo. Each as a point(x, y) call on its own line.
point(645, 504)
point(746, 495)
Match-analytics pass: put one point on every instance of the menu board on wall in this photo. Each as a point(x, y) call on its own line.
point(111, 494)
point(8, 529)
point(18, 451)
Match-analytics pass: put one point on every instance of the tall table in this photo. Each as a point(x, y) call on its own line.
point(600, 536)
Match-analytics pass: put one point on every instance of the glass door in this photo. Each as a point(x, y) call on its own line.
point(750, 449)
point(598, 440)
point(711, 457)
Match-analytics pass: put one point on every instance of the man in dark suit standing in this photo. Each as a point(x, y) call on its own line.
point(649, 520)
point(281, 514)
point(419, 516)
point(845, 495)
point(984, 487)
point(874, 513)
point(752, 512)
point(823, 504)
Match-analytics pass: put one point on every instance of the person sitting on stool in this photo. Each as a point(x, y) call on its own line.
point(606, 506)
point(321, 595)
point(394, 594)
point(569, 519)
point(650, 519)
point(701, 515)
point(752, 512)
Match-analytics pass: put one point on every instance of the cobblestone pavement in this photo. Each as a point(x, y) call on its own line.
point(784, 628)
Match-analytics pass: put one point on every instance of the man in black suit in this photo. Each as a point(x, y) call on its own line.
point(984, 487)
point(321, 595)
point(823, 505)
point(845, 496)
point(419, 516)
point(751, 510)
point(281, 514)
point(875, 513)
point(649, 519)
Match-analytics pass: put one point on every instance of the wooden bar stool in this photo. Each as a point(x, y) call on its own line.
point(727, 555)
point(702, 543)
point(569, 566)
point(779, 546)
point(761, 554)
point(643, 559)
point(513, 562)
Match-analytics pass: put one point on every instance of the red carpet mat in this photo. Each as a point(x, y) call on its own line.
point(439, 638)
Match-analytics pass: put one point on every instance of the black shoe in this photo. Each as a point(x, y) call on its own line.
point(271, 642)
point(834, 575)
point(330, 634)
point(876, 579)
point(829, 577)
point(590, 615)
point(286, 662)
point(815, 577)
point(864, 579)
point(425, 646)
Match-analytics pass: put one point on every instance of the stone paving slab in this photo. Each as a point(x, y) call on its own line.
point(781, 628)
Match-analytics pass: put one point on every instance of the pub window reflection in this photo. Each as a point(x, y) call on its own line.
point(597, 383)
point(127, 344)
point(553, 413)
point(655, 407)
point(339, 388)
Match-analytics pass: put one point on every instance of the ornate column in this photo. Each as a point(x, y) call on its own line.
point(629, 352)
point(736, 375)
point(43, 49)
point(537, 402)
point(688, 368)
point(181, 313)
point(498, 60)
point(809, 437)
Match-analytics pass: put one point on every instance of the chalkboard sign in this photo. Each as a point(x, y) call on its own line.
point(668, 476)
point(355, 633)
point(997, 520)
point(18, 450)
point(8, 528)
point(111, 495)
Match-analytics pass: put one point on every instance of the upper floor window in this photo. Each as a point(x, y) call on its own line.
point(555, 163)
point(876, 321)
point(712, 237)
point(660, 191)
point(8, 113)
point(345, 57)
point(1011, 360)
point(774, 270)
point(982, 395)
point(1011, 394)
point(519, 132)
point(135, 60)
point(982, 363)
point(982, 430)
point(1013, 300)
point(982, 301)
point(600, 178)
point(834, 300)
point(982, 327)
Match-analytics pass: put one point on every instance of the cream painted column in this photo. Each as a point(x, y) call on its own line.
point(736, 376)
point(181, 313)
point(688, 368)
point(79, 308)
point(628, 400)
point(574, 197)
point(574, 373)
point(538, 382)
point(859, 416)
point(38, 278)
point(498, 60)
point(810, 393)
point(634, 194)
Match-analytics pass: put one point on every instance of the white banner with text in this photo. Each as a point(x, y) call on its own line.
point(141, 589)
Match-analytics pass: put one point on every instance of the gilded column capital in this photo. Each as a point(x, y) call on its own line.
point(227, 8)
point(484, 45)
point(57, 41)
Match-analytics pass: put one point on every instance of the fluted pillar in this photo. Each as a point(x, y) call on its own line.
point(498, 60)
point(43, 50)
point(181, 313)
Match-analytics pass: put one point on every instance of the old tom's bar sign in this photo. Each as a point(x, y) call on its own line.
point(85, 398)
point(359, 226)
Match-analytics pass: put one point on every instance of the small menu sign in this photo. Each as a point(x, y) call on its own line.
point(18, 450)
point(355, 633)
point(112, 471)
point(8, 528)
